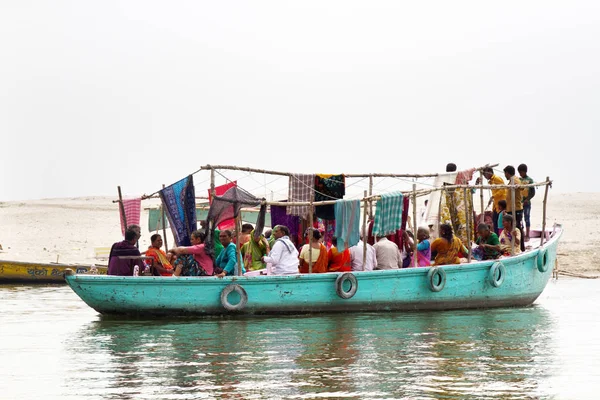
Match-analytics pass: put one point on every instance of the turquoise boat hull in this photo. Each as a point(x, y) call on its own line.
point(466, 286)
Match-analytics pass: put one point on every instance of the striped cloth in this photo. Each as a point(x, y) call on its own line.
point(132, 209)
point(388, 214)
point(347, 223)
point(301, 189)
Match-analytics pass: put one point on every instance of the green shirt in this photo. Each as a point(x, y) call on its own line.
point(490, 254)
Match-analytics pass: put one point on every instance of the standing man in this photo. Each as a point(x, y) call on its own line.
point(517, 213)
point(497, 194)
point(528, 194)
point(125, 256)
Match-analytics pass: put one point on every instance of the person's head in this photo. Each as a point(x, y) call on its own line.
point(446, 232)
point(522, 168)
point(198, 237)
point(268, 233)
point(225, 237)
point(156, 240)
point(316, 235)
point(334, 241)
point(132, 234)
point(507, 222)
point(247, 228)
point(488, 172)
point(483, 230)
point(422, 233)
point(280, 231)
point(450, 167)
point(509, 171)
point(502, 205)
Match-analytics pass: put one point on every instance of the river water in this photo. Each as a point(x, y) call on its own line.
point(52, 345)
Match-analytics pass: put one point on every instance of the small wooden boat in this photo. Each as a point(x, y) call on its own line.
point(30, 272)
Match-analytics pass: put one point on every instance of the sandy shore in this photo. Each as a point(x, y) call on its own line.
point(68, 230)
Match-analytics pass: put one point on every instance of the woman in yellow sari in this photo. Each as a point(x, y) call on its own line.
point(447, 249)
point(318, 255)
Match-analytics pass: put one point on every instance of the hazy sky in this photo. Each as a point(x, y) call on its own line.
point(139, 93)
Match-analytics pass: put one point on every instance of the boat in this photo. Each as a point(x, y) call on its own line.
point(512, 281)
point(33, 272)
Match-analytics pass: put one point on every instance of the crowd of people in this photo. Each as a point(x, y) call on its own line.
point(275, 252)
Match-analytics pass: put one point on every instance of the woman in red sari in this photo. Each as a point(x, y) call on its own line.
point(339, 261)
point(319, 255)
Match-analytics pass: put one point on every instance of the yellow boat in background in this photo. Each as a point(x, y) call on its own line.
point(31, 272)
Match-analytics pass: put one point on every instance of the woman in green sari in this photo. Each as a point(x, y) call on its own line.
point(253, 252)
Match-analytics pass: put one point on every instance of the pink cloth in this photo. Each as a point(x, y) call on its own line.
point(219, 191)
point(132, 209)
point(464, 177)
point(202, 258)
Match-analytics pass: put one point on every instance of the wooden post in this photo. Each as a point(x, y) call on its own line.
point(364, 233)
point(212, 183)
point(468, 213)
point(370, 194)
point(238, 254)
point(514, 215)
point(544, 211)
point(164, 224)
point(310, 235)
point(481, 217)
point(122, 208)
point(415, 227)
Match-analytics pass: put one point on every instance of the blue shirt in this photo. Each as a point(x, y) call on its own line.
point(227, 260)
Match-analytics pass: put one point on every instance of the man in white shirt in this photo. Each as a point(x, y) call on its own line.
point(284, 255)
point(388, 254)
point(356, 255)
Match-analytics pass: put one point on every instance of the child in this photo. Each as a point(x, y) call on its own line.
point(502, 207)
point(423, 247)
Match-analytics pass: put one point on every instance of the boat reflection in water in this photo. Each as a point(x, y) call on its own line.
point(454, 354)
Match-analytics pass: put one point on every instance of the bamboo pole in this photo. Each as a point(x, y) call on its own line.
point(481, 217)
point(212, 183)
point(544, 212)
point(514, 215)
point(122, 208)
point(238, 254)
point(370, 194)
point(310, 236)
point(415, 227)
point(364, 235)
point(164, 224)
point(468, 214)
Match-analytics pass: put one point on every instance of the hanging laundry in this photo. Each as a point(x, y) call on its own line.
point(279, 216)
point(301, 189)
point(220, 191)
point(388, 214)
point(179, 201)
point(132, 209)
point(347, 223)
point(453, 212)
point(464, 177)
point(328, 187)
point(432, 214)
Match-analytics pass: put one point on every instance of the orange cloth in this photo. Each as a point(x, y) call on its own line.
point(319, 266)
point(160, 257)
point(339, 262)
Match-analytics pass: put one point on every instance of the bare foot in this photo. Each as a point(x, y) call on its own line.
point(527, 238)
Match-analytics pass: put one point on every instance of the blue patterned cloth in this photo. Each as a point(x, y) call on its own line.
point(347, 223)
point(179, 201)
point(388, 214)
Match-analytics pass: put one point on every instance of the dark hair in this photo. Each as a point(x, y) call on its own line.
point(334, 241)
point(509, 169)
point(522, 168)
point(131, 233)
point(488, 169)
point(509, 217)
point(198, 234)
point(502, 203)
point(316, 234)
point(284, 229)
point(446, 232)
point(154, 237)
point(450, 167)
point(247, 228)
point(268, 233)
point(483, 227)
point(227, 232)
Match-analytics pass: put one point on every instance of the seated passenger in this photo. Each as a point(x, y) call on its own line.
point(126, 248)
point(318, 255)
point(245, 234)
point(227, 262)
point(253, 251)
point(283, 256)
point(488, 242)
point(509, 235)
point(338, 261)
point(388, 254)
point(446, 249)
point(423, 248)
point(356, 256)
point(161, 261)
point(193, 260)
